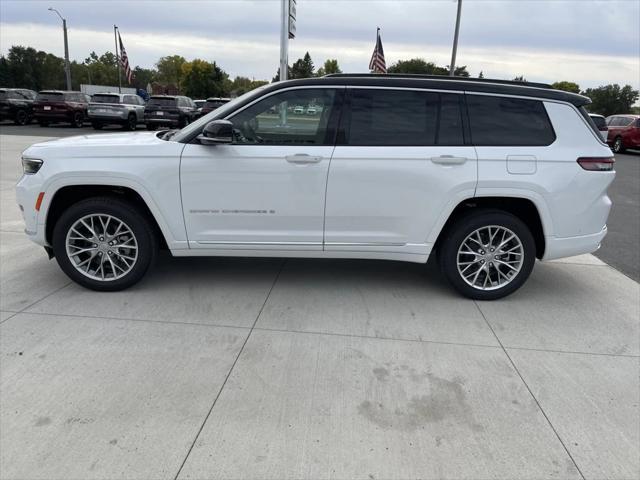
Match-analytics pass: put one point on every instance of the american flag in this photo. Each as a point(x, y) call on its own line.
point(377, 63)
point(124, 61)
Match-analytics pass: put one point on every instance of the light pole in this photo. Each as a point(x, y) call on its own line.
point(452, 67)
point(67, 68)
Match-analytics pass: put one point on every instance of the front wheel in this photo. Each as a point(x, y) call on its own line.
point(487, 254)
point(104, 243)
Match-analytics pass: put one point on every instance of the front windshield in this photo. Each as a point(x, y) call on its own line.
point(219, 112)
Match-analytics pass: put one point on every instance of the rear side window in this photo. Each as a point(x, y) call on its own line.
point(50, 97)
point(404, 118)
point(599, 121)
point(503, 121)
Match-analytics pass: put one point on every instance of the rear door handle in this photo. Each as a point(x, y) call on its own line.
point(449, 160)
point(302, 159)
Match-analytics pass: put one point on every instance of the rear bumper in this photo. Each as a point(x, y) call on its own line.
point(109, 117)
point(54, 116)
point(570, 246)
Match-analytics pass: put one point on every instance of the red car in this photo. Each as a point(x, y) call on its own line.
point(61, 106)
point(624, 132)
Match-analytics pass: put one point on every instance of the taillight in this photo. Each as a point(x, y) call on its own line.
point(597, 164)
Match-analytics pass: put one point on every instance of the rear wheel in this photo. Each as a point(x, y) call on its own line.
point(77, 119)
point(183, 122)
point(132, 122)
point(104, 243)
point(487, 254)
point(618, 145)
point(22, 117)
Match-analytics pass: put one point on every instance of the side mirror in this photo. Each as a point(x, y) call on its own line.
point(216, 132)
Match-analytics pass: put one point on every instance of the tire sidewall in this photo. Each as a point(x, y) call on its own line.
point(132, 122)
point(22, 117)
point(617, 145)
point(78, 119)
point(140, 226)
point(459, 232)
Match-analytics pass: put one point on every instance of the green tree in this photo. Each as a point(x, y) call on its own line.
point(610, 99)
point(566, 86)
point(170, 69)
point(242, 85)
point(202, 79)
point(143, 76)
point(422, 67)
point(520, 78)
point(330, 66)
point(303, 67)
point(481, 74)
point(103, 69)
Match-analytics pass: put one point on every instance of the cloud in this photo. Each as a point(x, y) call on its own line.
point(590, 42)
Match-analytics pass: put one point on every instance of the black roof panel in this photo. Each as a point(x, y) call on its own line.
point(479, 85)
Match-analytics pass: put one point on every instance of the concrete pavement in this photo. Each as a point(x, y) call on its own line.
point(283, 369)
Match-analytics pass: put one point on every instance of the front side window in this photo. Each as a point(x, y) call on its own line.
point(505, 121)
point(404, 118)
point(294, 117)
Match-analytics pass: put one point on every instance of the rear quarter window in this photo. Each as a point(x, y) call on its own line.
point(505, 121)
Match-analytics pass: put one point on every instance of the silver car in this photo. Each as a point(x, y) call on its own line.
point(124, 109)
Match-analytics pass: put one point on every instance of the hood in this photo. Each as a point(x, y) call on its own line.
point(103, 140)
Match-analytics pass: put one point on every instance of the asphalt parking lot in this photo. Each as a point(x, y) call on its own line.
point(288, 369)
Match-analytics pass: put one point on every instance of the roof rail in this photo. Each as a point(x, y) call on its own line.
point(441, 77)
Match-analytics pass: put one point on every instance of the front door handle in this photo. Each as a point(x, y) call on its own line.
point(302, 159)
point(449, 160)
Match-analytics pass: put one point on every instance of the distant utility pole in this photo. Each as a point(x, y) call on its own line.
point(452, 66)
point(287, 31)
point(67, 67)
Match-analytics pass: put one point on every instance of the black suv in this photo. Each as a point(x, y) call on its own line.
point(17, 104)
point(169, 111)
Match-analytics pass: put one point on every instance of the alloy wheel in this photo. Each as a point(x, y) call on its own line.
point(101, 247)
point(490, 257)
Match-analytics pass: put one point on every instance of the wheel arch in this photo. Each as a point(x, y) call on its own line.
point(67, 195)
point(523, 208)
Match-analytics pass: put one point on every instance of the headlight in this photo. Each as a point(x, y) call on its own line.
point(31, 166)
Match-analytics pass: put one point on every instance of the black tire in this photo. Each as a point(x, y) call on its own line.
point(151, 126)
point(22, 117)
point(132, 122)
point(455, 236)
point(183, 122)
point(140, 225)
point(77, 120)
point(618, 145)
point(97, 125)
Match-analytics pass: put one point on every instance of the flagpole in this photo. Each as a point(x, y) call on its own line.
point(452, 67)
point(115, 36)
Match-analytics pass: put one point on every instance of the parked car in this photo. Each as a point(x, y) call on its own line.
point(213, 103)
point(199, 105)
point(298, 110)
point(116, 109)
point(601, 123)
point(17, 104)
point(624, 132)
point(169, 111)
point(53, 106)
point(311, 110)
point(488, 176)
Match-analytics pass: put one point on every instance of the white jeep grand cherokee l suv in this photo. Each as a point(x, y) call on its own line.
point(488, 175)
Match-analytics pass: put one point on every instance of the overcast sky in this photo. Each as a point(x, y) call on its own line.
point(591, 42)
